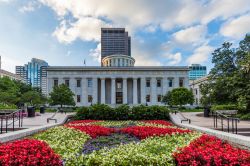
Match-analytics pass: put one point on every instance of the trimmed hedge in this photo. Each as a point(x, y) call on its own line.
point(225, 107)
point(123, 112)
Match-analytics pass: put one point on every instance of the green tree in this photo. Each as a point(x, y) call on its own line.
point(61, 95)
point(8, 91)
point(166, 99)
point(229, 80)
point(180, 97)
point(32, 97)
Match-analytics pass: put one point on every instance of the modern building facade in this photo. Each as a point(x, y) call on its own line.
point(115, 41)
point(197, 71)
point(33, 72)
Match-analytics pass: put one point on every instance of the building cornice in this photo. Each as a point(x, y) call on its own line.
point(99, 68)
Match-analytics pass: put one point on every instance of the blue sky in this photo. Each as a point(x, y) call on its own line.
point(164, 32)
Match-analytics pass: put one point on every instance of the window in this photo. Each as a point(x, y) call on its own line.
point(67, 83)
point(148, 98)
point(170, 83)
point(159, 98)
point(196, 91)
point(181, 83)
point(158, 83)
point(89, 82)
point(148, 83)
point(78, 98)
point(119, 85)
point(55, 82)
point(78, 83)
point(90, 98)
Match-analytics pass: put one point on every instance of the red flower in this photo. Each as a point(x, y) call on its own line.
point(28, 152)
point(93, 131)
point(208, 150)
point(143, 132)
point(162, 122)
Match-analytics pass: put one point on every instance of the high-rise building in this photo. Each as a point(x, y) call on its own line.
point(115, 41)
point(32, 72)
point(197, 71)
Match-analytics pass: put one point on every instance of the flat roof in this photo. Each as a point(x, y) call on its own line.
point(135, 68)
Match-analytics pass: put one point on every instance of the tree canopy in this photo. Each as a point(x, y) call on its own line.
point(229, 79)
point(179, 97)
point(62, 95)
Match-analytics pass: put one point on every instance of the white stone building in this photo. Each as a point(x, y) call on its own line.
point(195, 87)
point(118, 81)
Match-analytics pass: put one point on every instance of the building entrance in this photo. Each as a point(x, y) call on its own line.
point(118, 97)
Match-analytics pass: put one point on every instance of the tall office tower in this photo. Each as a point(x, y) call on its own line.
point(197, 71)
point(32, 72)
point(115, 41)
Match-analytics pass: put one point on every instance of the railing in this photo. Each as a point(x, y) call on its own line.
point(9, 118)
point(182, 116)
point(225, 122)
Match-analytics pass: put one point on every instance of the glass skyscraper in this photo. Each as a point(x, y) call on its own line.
point(197, 71)
point(33, 72)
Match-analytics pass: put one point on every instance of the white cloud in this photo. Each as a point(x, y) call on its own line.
point(30, 6)
point(174, 59)
point(236, 28)
point(191, 35)
point(87, 29)
point(200, 55)
point(96, 53)
point(190, 16)
point(188, 38)
point(224, 9)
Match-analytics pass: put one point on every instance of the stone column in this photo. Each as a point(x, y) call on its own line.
point(135, 95)
point(124, 91)
point(176, 82)
point(95, 91)
point(72, 84)
point(143, 93)
point(113, 90)
point(164, 85)
point(153, 90)
point(103, 89)
point(84, 95)
point(60, 81)
point(186, 82)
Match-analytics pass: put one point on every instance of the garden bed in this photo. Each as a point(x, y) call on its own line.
point(95, 142)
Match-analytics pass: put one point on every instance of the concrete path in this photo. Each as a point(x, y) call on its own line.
point(42, 120)
point(243, 126)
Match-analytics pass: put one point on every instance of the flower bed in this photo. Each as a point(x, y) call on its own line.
point(143, 132)
point(147, 142)
point(208, 150)
point(94, 131)
point(28, 152)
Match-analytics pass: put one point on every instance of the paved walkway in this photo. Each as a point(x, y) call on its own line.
point(243, 126)
point(42, 120)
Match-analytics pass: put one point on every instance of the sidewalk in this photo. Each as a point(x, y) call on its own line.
point(243, 126)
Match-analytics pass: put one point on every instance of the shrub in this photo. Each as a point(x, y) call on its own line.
point(224, 107)
point(28, 152)
point(123, 112)
point(5, 106)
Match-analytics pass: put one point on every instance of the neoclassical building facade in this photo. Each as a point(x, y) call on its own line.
point(118, 81)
